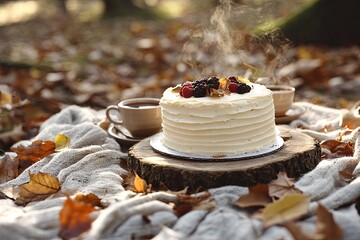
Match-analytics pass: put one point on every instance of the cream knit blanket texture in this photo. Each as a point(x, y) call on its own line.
point(91, 164)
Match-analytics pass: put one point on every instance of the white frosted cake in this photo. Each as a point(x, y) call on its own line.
point(220, 122)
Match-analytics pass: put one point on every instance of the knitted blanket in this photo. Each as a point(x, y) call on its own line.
point(92, 164)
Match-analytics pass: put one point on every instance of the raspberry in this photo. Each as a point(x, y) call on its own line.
point(233, 87)
point(243, 88)
point(186, 90)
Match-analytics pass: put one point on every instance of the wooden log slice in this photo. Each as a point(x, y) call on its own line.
point(300, 154)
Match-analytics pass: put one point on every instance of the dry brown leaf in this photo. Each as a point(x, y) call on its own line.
point(8, 168)
point(296, 231)
point(258, 196)
point(75, 218)
point(90, 198)
point(282, 185)
point(289, 207)
point(33, 153)
point(337, 148)
point(346, 174)
point(326, 227)
point(5, 99)
point(40, 186)
point(186, 203)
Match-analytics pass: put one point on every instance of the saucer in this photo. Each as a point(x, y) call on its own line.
point(293, 113)
point(120, 137)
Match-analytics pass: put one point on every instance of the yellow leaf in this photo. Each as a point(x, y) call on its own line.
point(40, 186)
point(61, 141)
point(139, 184)
point(287, 208)
point(41, 183)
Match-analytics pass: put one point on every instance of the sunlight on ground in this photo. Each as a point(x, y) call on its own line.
point(20, 11)
point(91, 10)
point(81, 10)
point(13, 12)
point(173, 8)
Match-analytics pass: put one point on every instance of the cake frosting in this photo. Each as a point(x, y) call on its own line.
point(216, 126)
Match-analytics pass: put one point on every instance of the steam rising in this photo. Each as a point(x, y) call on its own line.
point(224, 45)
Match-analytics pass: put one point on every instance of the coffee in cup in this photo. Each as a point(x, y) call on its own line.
point(140, 116)
point(283, 97)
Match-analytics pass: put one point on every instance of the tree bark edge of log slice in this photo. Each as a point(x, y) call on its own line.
point(300, 154)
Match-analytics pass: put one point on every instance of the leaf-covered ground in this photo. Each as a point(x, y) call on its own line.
point(48, 64)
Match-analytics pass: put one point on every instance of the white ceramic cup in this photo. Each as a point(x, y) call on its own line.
point(140, 116)
point(283, 97)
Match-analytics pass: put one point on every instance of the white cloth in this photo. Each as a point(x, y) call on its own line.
point(91, 164)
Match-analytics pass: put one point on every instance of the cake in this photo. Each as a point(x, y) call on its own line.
point(222, 117)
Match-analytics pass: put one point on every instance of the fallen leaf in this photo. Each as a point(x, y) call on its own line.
point(5, 99)
point(140, 184)
point(258, 196)
point(33, 153)
point(337, 148)
point(282, 185)
point(296, 231)
point(346, 174)
point(135, 183)
point(61, 142)
point(289, 207)
point(75, 218)
point(186, 203)
point(8, 168)
point(90, 198)
point(326, 227)
point(40, 186)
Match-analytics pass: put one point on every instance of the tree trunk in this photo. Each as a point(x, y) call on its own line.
point(329, 22)
point(120, 7)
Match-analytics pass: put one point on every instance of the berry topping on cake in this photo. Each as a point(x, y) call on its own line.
point(233, 87)
point(213, 82)
point(186, 90)
point(200, 90)
point(243, 88)
point(232, 79)
point(214, 86)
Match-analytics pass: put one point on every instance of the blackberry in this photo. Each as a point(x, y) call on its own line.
point(243, 88)
point(201, 81)
point(213, 82)
point(199, 90)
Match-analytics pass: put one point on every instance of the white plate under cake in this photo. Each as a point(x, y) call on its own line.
point(227, 120)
